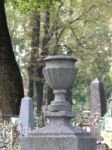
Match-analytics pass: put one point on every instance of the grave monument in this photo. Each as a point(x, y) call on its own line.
point(26, 121)
point(97, 105)
point(58, 134)
point(97, 94)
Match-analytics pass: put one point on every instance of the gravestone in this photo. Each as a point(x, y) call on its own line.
point(26, 120)
point(97, 104)
point(59, 134)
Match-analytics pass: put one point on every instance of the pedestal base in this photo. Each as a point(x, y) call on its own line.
point(59, 142)
point(58, 134)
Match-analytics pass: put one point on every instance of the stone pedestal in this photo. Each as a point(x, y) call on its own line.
point(58, 134)
point(59, 142)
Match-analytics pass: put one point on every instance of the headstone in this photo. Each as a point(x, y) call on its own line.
point(97, 104)
point(26, 120)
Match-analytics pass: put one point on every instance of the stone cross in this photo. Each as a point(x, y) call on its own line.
point(97, 102)
point(26, 118)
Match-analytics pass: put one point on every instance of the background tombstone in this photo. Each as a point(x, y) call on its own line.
point(97, 103)
point(26, 117)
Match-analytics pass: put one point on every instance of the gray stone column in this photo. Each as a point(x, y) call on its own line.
point(59, 134)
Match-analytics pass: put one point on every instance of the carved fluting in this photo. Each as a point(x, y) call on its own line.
point(59, 78)
point(59, 73)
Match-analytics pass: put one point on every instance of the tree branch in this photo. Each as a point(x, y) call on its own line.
point(66, 46)
point(58, 36)
point(83, 13)
point(76, 19)
point(55, 28)
point(76, 37)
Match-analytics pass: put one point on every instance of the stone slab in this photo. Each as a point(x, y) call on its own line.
point(59, 142)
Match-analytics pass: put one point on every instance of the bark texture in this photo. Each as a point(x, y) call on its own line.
point(11, 87)
point(36, 78)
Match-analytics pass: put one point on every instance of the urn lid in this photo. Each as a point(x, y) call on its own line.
point(60, 57)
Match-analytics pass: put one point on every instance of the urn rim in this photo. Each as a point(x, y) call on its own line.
point(60, 57)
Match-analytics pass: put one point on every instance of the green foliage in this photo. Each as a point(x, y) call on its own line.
point(84, 28)
point(30, 5)
point(8, 141)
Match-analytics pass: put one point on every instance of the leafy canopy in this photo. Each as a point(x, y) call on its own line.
point(27, 5)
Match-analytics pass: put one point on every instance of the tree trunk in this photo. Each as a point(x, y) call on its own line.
point(11, 87)
point(31, 73)
point(39, 84)
point(45, 41)
point(39, 88)
point(45, 47)
point(35, 70)
point(34, 51)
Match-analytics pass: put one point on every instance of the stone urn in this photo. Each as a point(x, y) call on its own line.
point(58, 133)
point(59, 73)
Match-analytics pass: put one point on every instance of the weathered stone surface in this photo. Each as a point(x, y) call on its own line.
point(97, 95)
point(26, 118)
point(58, 134)
point(62, 142)
point(59, 71)
point(98, 104)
